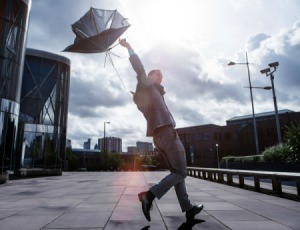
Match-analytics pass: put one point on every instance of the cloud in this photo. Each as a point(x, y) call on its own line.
point(200, 87)
point(87, 98)
point(283, 47)
point(255, 41)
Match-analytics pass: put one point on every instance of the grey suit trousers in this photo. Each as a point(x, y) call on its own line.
point(168, 143)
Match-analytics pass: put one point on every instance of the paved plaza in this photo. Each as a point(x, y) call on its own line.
point(108, 200)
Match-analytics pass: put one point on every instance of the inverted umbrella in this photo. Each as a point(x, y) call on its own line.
point(97, 30)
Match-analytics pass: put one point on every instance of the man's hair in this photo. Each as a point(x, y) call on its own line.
point(157, 71)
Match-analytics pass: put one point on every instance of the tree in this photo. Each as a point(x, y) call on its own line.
point(113, 161)
point(72, 159)
point(292, 138)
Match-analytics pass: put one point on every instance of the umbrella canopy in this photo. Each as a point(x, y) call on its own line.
point(97, 30)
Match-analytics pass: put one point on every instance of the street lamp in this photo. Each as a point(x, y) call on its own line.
point(217, 148)
point(251, 97)
point(258, 87)
point(104, 145)
point(268, 72)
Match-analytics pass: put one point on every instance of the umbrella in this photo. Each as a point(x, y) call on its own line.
point(97, 30)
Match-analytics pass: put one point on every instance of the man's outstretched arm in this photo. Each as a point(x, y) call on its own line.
point(136, 63)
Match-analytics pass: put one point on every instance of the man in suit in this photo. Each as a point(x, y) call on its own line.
point(149, 98)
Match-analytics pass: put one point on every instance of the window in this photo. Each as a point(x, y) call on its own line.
point(206, 136)
point(197, 137)
point(227, 136)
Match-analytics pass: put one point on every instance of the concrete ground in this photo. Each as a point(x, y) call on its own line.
point(108, 200)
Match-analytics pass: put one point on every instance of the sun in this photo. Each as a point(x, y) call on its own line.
point(174, 19)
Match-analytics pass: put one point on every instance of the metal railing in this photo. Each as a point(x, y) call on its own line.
point(219, 175)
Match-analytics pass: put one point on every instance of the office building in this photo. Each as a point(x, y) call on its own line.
point(44, 109)
point(112, 144)
point(203, 143)
point(69, 143)
point(132, 150)
point(87, 144)
point(86, 159)
point(14, 16)
point(144, 147)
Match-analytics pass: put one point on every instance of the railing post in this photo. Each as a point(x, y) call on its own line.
point(219, 177)
point(278, 186)
point(241, 180)
point(214, 176)
point(199, 174)
point(256, 183)
point(209, 175)
point(274, 186)
point(229, 179)
point(298, 188)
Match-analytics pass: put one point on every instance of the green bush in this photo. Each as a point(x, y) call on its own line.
point(227, 159)
point(280, 153)
point(250, 159)
point(292, 139)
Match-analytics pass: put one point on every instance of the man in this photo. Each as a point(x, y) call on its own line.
point(160, 125)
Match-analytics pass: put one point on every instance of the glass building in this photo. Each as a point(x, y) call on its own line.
point(44, 110)
point(14, 16)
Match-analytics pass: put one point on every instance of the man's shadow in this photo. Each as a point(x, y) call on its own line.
point(188, 225)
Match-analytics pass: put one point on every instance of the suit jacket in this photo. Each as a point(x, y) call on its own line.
point(149, 99)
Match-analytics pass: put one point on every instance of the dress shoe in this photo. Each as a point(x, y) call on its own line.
point(146, 204)
point(190, 214)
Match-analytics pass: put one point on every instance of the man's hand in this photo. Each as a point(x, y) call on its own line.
point(124, 43)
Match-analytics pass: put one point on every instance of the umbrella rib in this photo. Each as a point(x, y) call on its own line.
point(95, 22)
point(105, 58)
point(113, 46)
point(109, 57)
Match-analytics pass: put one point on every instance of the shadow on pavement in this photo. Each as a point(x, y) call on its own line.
point(188, 225)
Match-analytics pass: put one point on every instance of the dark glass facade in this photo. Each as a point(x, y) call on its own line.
point(14, 16)
point(44, 110)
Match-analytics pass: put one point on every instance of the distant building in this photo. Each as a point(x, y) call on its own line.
point(200, 144)
point(69, 143)
point(144, 147)
point(266, 128)
point(132, 149)
point(87, 144)
point(89, 159)
point(112, 144)
point(235, 139)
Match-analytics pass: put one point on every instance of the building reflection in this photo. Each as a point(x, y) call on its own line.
point(14, 16)
point(44, 109)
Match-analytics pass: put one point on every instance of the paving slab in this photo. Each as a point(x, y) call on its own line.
point(108, 201)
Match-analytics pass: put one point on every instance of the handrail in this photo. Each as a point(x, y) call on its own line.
point(217, 175)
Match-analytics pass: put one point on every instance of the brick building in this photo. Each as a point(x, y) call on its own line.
point(204, 143)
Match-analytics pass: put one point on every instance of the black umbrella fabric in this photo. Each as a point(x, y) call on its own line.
point(97, 30)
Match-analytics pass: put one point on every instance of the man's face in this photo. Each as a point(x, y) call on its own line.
point(155, 76)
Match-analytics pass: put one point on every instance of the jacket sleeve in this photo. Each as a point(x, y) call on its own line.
point(140, 71)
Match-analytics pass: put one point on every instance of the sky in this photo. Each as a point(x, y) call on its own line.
point(192, 42)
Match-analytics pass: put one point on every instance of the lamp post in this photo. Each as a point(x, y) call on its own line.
point(258, 87)
point(251, 97)
point(217, 149)
point(104, 145)
point(268, 72)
